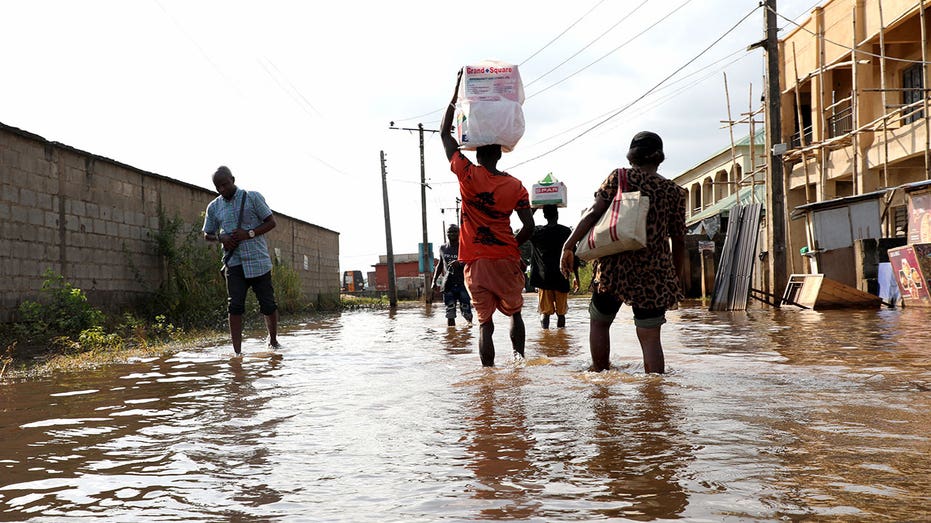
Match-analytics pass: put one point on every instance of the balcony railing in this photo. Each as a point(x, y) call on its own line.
point(796, 138)
point(841, 122)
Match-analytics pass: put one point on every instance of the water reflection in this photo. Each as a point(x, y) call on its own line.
point(174, 433)
point(387, 416)
point(459, 340)
point(499, 445)
point(553, 343)
point(639, 454)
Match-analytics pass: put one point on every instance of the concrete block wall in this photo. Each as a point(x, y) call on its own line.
point(89, 218)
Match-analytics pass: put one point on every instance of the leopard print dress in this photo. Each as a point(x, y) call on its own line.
point(645, 278)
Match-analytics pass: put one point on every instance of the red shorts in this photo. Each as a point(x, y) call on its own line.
point(495, 284)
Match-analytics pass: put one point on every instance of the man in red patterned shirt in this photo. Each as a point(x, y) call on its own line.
point(494, 272)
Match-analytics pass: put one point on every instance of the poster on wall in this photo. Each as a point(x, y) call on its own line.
point(912, 283)
point(919, 217)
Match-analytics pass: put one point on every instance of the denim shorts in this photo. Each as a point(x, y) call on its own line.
point(604, 307)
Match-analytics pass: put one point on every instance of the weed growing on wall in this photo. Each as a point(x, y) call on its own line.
point(192, 292)
point(61, 323)
point(61, 310)
point(288, 294)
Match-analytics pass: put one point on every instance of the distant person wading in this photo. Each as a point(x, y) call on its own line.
point(453, 283)
point(552, 286)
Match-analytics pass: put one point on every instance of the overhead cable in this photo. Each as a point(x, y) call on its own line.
point(644, 95)
point(302, 101)
point(562, 33)
point(599, 37)
point(741, 51)
point(609, 53)
point(203, 52)
point(538, 51)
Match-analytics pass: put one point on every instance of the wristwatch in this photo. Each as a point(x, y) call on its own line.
point(252, 233)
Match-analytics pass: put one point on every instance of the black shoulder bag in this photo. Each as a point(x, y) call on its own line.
point(229, 253)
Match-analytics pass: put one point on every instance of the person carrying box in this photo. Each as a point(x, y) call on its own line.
point(494, 272)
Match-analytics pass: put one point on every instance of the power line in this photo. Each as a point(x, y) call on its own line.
point(641, 97)
point(538, 51)
point(609, 53)
point(667, 86)
point(562, 33)
point(847, 47)
point(231, 83)
point(599, 37)
point(674, 94)
point(294, 90)
point(200, 49)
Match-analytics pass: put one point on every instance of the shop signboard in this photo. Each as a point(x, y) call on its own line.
point(919, 218)
point(911, 265)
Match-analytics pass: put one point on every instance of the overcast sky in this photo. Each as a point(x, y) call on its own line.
point(296, 97)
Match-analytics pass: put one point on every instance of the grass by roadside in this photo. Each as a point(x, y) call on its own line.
point(33, 360)
point(25, 357)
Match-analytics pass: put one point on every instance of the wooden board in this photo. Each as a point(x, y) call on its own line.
point(818, 292)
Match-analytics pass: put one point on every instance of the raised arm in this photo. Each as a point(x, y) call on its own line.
point(446, 125)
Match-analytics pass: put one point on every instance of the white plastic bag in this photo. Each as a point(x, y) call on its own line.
point(489, 106)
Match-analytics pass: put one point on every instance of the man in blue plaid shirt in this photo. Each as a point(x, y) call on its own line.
point(249, 265)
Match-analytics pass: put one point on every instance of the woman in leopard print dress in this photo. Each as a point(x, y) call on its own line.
point(646, 279)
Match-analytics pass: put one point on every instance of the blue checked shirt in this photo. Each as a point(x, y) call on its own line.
point(221, 218)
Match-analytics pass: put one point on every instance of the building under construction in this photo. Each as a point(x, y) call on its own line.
point(855, 130)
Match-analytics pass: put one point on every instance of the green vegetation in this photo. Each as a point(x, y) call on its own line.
point(62, 311)
point(60, 329)
point(192, 292)
point(585, 277)
point(61, 323)
point(350, 302)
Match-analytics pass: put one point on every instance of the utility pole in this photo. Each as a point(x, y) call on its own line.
point(443, 212)
point(392, 289)
point(775, 172)
point(425, 253)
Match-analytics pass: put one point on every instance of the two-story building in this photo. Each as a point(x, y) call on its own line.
point(855, 123)
point(733, 175)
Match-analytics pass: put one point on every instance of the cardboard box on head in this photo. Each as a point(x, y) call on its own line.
point(548, 191)
point(488, 107)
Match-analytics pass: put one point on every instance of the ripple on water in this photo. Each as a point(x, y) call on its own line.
point(378, 415)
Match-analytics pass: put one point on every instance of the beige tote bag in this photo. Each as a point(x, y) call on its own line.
point(623, 227)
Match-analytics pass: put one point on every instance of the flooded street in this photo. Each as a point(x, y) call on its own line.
point(378, 416)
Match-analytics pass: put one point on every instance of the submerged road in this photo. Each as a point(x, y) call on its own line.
point(388, 416)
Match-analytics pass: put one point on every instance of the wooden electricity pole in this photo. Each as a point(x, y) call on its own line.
point(775, 173)
point(392, 289)
point(426, 255)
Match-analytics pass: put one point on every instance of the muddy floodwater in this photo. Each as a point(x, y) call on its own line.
point(388, 416)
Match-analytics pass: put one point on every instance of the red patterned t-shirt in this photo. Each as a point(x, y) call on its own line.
point(487, 203)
